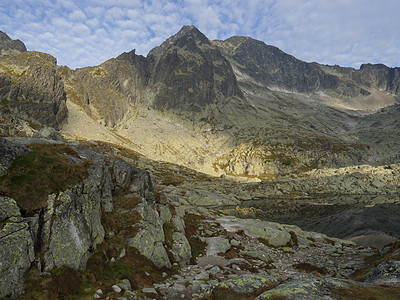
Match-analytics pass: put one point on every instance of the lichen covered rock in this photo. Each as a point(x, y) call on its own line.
point(304, 289)
point(16, 248)
point(386, 272)
point(181, 250)
point(150, 239)
point(248, 283)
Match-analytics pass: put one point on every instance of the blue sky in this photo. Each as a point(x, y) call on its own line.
point(88, 32)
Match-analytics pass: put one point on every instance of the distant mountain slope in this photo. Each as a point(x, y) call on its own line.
point(270, 67)
point(237, 107)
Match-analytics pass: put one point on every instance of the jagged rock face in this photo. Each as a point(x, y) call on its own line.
point(190, 73)
point(9, 47)
point(379, 76)
point(108, 91)
point(271, 67)
point(31, 90)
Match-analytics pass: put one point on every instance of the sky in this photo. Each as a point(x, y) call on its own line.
point(88, 32)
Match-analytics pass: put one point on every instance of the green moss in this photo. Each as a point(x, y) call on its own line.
point(35, 175)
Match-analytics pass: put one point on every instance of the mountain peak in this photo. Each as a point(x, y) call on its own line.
point(9, 47)
point(186, 32)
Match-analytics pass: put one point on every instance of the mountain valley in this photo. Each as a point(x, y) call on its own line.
point(213, 168)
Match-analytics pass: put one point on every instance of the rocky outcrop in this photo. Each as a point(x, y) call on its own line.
point(379, 76)
point(31, 90)
point(68, 229)
point(150, 239)
point(111, 90)
point(385, 273)
point(9, 47)
point(16, 248)
point(263, 157)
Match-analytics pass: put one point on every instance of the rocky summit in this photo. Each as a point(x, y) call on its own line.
point(205, 170)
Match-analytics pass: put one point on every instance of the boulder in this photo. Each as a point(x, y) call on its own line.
point(304, 289)
point(216, 245)
point(48, 133)
point(122, 174)
point(248, 283)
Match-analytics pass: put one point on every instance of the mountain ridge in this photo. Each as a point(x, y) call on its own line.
point(238, 106)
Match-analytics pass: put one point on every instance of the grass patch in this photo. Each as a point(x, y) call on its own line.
point(61, 283)
point(35, 175)
point(140, 271)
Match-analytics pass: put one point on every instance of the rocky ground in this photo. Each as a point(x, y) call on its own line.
point(139, 229)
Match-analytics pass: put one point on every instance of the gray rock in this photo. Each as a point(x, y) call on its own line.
point(10, 47)
point(181, 250)
point(247, 283)
point(33, 90)
point(116, 288)
point(125, 284)
point(165, 213)
point(16, 256)
point(142, 185)
point(216, 245)
point(304, 289)
point(8, 208)
point(48, 133)
point(149, 291)
point(235, 243)
point(122, 174)
point(73, 228)
point(202, 276)
point(178, 223)
point(214, 270)
point(386, 272)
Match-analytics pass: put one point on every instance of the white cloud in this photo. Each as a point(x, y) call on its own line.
point(88, 32)
point(77, 15)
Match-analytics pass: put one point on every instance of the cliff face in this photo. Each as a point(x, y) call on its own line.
point(190, 73)
point(271, 67)
point(31, 90)
point(9, 47)
point(108, 91)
